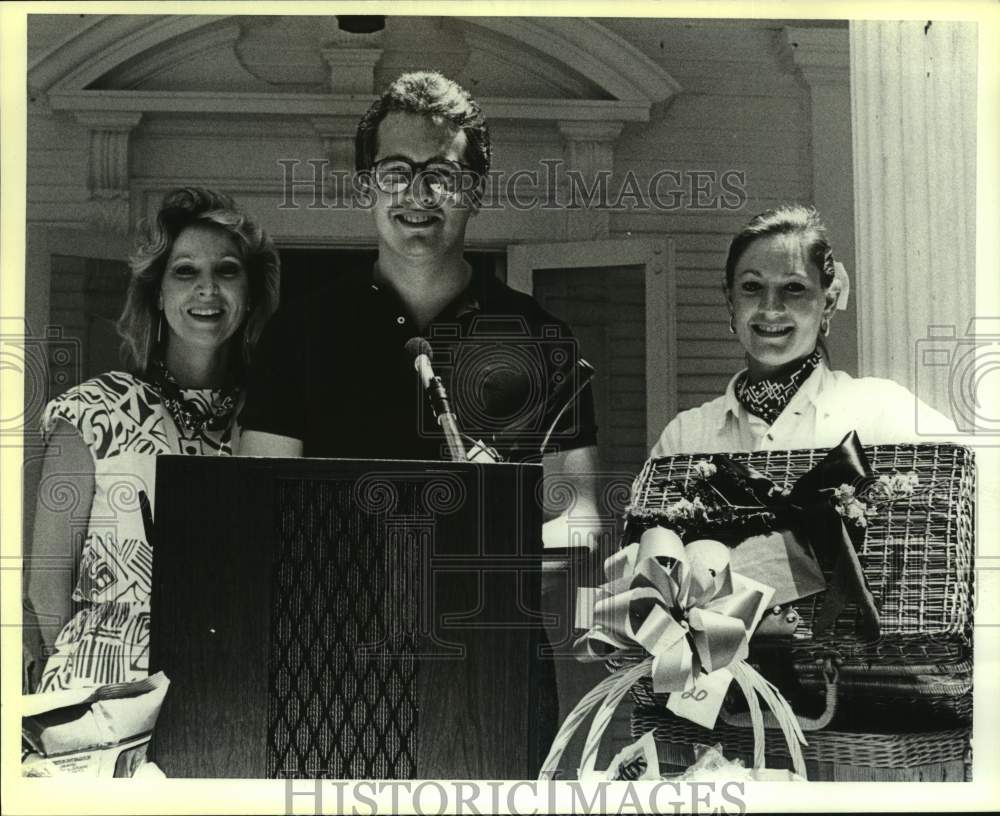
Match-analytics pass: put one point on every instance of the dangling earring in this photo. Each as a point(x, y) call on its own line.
point(732, 323)
point(824, 326)
point(246, 330)
point(159, 328)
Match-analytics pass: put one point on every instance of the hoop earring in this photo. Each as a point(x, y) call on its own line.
point(824, 326)
point(732, 324)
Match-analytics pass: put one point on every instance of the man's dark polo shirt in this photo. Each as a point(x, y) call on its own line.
point(332, 371)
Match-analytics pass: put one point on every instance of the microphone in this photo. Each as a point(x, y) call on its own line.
point(420, 350)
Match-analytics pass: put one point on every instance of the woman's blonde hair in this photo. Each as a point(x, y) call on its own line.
point(139, 323)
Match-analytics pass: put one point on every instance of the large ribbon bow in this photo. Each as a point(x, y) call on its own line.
point(808, 506)
point(681, 604)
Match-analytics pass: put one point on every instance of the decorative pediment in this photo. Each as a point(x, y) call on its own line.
point(106, 42)
point(611, 63)
point(208, 64)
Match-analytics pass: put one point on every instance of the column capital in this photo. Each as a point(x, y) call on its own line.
point(352, 69)
point(109, 120)
point(108, 172)
point(575, 131)
point(821, 54)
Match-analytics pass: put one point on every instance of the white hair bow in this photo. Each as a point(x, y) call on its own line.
point(840, 274)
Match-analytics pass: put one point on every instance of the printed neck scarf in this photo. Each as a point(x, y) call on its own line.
point(206, 410)
point(767, 398)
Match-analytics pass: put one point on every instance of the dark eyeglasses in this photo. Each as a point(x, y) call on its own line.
point(442, 176)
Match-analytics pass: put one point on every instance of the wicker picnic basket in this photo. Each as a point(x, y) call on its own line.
point(941, 694)
point(929, 756)
point(917, 557)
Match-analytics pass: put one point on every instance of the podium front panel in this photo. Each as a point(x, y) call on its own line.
point(349, 619)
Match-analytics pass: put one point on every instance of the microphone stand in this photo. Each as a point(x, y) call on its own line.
point(446, 419)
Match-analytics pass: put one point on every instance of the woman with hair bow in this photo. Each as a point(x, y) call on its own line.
point(782, 287)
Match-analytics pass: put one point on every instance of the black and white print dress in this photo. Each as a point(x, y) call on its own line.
point(126, 426)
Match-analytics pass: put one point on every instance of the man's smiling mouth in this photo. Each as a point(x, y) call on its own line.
point(416, 219)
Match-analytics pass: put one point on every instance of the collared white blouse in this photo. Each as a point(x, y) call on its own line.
point(823, 411)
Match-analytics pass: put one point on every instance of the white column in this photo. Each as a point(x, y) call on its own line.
point(913, 88)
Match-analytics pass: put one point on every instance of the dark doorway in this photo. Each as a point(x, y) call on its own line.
point(305, 271)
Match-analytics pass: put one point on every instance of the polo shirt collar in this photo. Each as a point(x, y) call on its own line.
point(468, 301)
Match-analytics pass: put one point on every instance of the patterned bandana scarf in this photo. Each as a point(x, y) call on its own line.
point(767, 398)
point(193, 414)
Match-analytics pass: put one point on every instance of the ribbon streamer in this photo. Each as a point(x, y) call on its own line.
point(601, 691)
point(752, 684)
point(609, 692)
point(684, 607)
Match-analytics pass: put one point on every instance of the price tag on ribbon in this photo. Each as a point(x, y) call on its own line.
point(693, 616)
point(701, 702)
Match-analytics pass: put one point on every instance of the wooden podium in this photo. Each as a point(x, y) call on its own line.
point(328, 618)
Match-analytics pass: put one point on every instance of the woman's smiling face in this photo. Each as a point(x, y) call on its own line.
point(204, 290)
point(778, 303)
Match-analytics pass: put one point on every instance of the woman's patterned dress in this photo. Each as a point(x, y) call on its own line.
point(125, 425)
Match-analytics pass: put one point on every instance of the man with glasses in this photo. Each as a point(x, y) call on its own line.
point(332, 377)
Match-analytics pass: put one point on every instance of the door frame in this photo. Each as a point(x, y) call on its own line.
point(43, 242)
point(656, 258)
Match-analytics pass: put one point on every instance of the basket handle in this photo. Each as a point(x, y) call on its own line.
point(830, 675)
